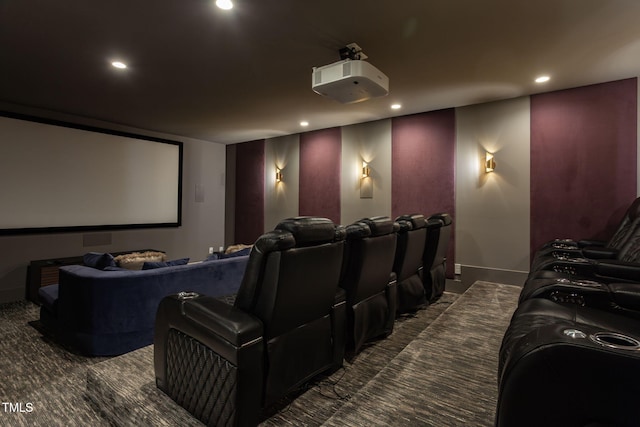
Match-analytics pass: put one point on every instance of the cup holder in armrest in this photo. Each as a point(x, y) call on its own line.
point(614, 340)
point(187, 295)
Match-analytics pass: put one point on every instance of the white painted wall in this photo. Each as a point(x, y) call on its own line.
point(281, 199)
point(370, 142)
point(492, 209)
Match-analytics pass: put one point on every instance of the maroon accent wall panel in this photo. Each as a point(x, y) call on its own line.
point(249, 217)
point(320, 165)
point(583, 160)
point(423, 167)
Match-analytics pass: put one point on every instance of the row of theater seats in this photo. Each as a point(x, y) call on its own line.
point(571, 354)
point(312, 293)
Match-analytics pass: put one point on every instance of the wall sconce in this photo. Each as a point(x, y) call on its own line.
point(366, 172)
point(489, 163)
point(278, 175)
point(366, 182)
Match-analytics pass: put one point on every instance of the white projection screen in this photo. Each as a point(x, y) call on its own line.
point(58, 177)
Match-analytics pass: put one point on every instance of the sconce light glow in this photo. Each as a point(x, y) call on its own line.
point(542, 79)
point(489, 163)
point(304, 123)
point(366, 171)
point(278, 174)
point(224, 4)
point(118, 64)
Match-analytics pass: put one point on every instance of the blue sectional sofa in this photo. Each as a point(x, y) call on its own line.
point(110, 312)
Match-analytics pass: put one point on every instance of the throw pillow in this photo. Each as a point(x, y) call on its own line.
point(98, 260)
point(152, 265)
point(235, 248)
point(134, 260)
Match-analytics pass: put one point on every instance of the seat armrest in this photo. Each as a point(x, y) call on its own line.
point(626, 295)
point(586, 242)
point(618, 270)
point(218, 346)
point(219, 326)
point(572, 266)
point(599, 252)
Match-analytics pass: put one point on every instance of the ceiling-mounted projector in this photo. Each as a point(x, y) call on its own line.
point(350, 80)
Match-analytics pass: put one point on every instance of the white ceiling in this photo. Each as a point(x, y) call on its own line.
point(200, 72)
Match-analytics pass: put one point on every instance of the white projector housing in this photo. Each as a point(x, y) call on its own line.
point(349, 81)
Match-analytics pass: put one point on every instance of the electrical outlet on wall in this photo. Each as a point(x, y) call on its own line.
point(457, 269)
point(210, 250)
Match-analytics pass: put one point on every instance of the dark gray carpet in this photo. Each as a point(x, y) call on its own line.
point(454, 358)
point(447, 375)
point(36, 371)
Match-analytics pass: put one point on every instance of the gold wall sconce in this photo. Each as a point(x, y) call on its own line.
point(278, 174)
point(489, 163)
point(366, 182)
point(366, 171)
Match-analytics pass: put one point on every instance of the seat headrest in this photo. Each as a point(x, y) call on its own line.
point(444, 217)
point(276, 240)
point(433, 223)
point(417, 220)
point(308, 230)
point(380, 225)
point(404, 225)
point(357, 230)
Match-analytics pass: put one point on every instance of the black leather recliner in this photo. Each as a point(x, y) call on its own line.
point(591, 249)
point(408, 263)
point(369, 280)
point(435, 255)
point(225, 363)
point(565, 366)
point(620, 298)
point(632, 213)
point(623, 268)
point(611, 250)
point(612, 285)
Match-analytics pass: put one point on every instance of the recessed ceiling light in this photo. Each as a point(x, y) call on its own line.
point(119, 64)
point(304, 123)
point(396, 106)
point(542, 79)
point(224, 4)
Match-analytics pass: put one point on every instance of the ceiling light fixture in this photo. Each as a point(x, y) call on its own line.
point(224, 4)
point(118, 64)
point(396, 106)
point(304, 123)
point(542, 79)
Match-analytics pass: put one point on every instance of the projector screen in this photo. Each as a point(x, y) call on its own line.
point(57, 177)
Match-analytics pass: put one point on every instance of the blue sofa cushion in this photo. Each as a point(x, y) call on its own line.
point(98, 260)
point(152, 265)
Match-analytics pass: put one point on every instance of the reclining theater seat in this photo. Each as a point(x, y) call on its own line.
point(588, 274)
point(632, 213)
point(369, 280)
point(566, 248)
point(435, 255)
point(408, 263)
point(563, 365)
point(611, 251)
point(610, 285)
point(225, 363)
